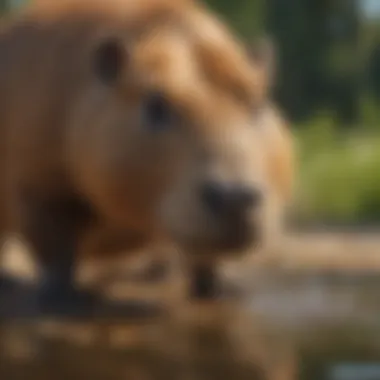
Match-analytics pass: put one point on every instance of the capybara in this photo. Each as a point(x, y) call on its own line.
point(142, 116)
point(104, 243)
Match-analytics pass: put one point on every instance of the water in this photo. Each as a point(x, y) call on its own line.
point(291, 326)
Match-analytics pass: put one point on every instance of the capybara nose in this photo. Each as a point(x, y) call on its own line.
point(230, 200)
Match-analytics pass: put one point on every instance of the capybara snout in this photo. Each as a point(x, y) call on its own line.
point(232, 201)
point(219, 207)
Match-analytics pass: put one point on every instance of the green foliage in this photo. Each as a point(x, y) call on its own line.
point(339, 174)
point(370, 113)
point(246, 17)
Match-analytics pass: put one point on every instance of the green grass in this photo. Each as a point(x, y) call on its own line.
point(339, 178)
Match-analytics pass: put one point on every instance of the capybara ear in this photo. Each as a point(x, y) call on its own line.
point(109, 59)
point(263, 56)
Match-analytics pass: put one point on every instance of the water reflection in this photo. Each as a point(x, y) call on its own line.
point(290, 327)
point(118, 351)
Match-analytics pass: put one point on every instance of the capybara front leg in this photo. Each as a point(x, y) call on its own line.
point(52, 230)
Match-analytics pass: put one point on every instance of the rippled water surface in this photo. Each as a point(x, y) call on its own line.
point(314, 317)
point(290, 326)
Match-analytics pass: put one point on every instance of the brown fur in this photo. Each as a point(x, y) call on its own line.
point(75, 155)
point(103, 243)
point(281, 161)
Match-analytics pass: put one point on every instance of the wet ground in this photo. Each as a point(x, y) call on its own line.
point(303, 316)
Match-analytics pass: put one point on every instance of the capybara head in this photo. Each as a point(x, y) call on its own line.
point(173, 113)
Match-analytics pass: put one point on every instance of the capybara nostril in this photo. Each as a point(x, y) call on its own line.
point(226, 199)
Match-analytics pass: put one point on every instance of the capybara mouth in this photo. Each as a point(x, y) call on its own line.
point(239, 238)
point(229, 242)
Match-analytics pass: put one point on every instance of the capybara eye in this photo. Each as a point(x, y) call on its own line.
point(158, 113)
point(109, 59)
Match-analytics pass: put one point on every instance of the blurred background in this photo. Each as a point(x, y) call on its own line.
point(315, 315)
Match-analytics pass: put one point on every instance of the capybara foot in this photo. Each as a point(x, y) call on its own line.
point(61, 300)
point(9, 283)
point(4, 282)
point(204, 284)
point(72, 302)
